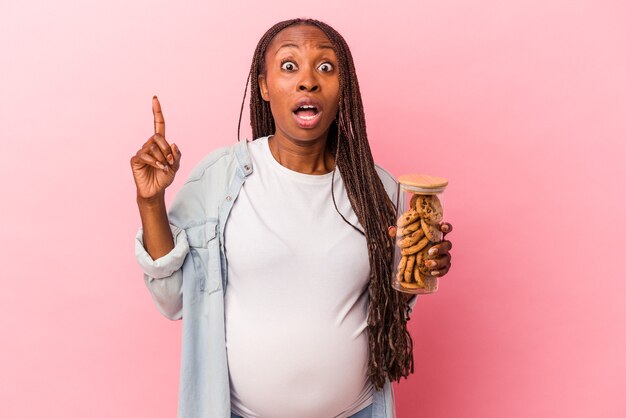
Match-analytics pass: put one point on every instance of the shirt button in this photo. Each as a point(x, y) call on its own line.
point(228, 198)
point(247, 167)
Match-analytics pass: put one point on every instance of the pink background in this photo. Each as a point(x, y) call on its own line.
point(520, 104)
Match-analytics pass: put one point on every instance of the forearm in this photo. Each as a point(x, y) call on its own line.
point(157, 235)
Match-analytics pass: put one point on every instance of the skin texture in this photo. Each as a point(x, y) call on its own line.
point(300, 62)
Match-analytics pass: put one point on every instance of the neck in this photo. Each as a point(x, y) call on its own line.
point(307, 157)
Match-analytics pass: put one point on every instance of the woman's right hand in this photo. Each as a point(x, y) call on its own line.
point(156, 163)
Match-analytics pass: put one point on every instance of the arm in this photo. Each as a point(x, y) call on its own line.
point(160, 248)
point(157, 237)
point(163, 261)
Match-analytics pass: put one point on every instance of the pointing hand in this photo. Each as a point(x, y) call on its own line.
point(156, 163)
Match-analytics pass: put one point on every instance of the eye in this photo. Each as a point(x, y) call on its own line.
point(326, 67)
point(288, 65)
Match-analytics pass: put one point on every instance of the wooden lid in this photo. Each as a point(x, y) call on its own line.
point(423, 181)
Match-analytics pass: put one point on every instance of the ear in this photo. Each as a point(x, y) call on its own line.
point(263, 88)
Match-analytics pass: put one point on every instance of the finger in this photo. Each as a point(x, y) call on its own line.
point(156, 153)
point(159, 121)
point(165, 148)
point(446, 228)
point(441, 272)
point(438, 263)
point(392, 231)
point(177, 155)
point(440, 248)
point(148, 159)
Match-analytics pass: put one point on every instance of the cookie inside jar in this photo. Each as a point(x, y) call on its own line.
point(418, 228)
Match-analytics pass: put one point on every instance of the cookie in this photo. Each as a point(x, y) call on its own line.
point(411, 285)
point(408, 272)
point(430, 282)
point(411, 239)
point(413, 201)
point(403, 261)
point(420, 260)
point(432, 232)
point(408, 229)
point(407, 218)
point(417, 275)
point(428, 207)
point(402, 267)
point(415, 248)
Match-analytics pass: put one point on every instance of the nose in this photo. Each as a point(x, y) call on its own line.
point(308, 86)
point(308, 82)
point(305, 87)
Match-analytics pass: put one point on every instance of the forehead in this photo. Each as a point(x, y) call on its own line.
point(297, 36)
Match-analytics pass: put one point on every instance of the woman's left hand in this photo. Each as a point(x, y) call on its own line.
point(439, 257)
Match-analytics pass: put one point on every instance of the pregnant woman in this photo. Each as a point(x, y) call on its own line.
point(277, 252)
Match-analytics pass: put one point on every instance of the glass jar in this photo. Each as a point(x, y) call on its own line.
point(419, 215)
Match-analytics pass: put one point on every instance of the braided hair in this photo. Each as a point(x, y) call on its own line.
point(390, 344)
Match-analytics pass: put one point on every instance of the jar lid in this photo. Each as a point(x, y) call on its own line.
point(423, 183)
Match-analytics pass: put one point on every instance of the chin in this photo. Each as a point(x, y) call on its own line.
point(308, 136)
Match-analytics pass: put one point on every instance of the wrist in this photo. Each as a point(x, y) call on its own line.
point(153, 202)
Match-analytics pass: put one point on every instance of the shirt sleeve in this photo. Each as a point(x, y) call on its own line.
point(164, 276)
point(166, 265)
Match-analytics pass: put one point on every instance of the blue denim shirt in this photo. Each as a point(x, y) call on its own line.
point(190, 281)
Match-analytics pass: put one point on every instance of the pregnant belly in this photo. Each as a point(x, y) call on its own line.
point(296, 367)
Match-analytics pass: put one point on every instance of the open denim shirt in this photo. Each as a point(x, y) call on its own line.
point(190, 281)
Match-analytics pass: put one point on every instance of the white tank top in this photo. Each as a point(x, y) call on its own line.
point(296, 301)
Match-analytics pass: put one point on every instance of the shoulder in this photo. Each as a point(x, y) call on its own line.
point(224, 159)
point(199, 197)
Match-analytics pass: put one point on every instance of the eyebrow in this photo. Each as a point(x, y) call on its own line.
point(325, 46)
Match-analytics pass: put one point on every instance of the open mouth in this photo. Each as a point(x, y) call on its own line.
point(306, 112)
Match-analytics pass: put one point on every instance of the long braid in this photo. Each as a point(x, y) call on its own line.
point(391, 346)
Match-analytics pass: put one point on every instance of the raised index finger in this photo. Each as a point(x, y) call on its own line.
point(159, 122)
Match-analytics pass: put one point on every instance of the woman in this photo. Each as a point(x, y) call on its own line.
point(309, 326)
